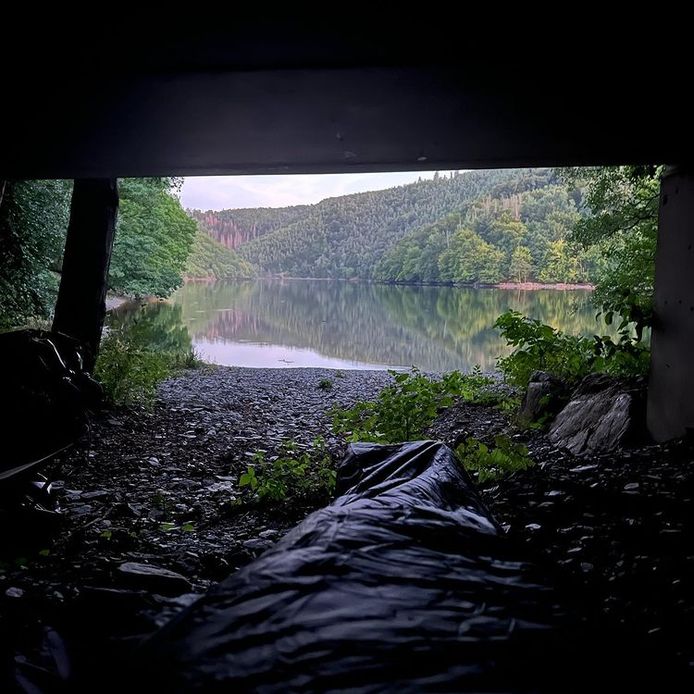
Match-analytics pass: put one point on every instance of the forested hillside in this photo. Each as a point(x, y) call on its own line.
point(231, 228)
point(209, 259)
point(481, 226)
point(518, 237)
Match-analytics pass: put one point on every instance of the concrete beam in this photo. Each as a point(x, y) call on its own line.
point(671, 387)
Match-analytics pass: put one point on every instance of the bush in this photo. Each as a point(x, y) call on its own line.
point(403, 410)
point(540, 347)
point(308, 476)
point(130, 372)
point(496, 462)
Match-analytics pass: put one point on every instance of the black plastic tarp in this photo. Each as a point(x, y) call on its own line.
point(404, 583)
point(45, 394)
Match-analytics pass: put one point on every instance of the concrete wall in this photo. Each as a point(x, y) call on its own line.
point(671, 388)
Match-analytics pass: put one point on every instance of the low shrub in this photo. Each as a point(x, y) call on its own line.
point(293, 475)
point(539, 347)
point(404, 409)
point(130, 372)
point(495, 462)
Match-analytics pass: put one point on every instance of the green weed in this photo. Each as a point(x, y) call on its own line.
point(493, 463)
point(293, 475)
point(403, 410)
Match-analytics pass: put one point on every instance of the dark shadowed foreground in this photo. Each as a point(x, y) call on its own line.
point(612, 534)
point(404, 583)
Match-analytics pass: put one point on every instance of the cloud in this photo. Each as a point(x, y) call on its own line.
point(229, 192)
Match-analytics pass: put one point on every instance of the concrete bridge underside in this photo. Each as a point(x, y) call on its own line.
point(284, 95)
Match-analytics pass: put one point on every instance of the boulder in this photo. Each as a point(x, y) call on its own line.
point(603, 414)
point(546, 395)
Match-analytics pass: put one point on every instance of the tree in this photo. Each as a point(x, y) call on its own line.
point(521, 264)
point(33, 220)
point(620, 205)
point(506, 232)
point(471, 259)
point(560, 264)
point(153, 239)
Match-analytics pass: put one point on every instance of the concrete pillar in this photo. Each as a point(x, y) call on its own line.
point(81, 305)
point(671, 387)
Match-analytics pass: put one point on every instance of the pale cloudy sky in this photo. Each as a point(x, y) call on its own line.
point(224, 192)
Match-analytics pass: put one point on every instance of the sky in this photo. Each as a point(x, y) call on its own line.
point(228, 192)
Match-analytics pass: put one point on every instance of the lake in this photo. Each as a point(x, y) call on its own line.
point(351, 325)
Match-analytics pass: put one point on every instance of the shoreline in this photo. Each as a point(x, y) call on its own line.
point(519, 286)
point(557, 286)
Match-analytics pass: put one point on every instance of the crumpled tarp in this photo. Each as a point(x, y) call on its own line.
point(45, 393)
point(404, 583)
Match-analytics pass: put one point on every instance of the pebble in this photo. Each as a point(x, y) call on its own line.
point(583, 468)
point(97, 494)
point(257, 545)
point(216, 487)
point(268, 533)
point(154, 578)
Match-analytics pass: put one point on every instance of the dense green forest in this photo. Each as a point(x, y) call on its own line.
point(154, 238)
point(516, 238)
point(33, 220)
point(234, 227)
point(209, 259)
point(473, 227)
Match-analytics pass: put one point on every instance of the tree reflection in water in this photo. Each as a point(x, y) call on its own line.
point(435, 328)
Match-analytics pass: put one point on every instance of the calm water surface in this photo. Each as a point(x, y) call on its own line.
point(352, 325)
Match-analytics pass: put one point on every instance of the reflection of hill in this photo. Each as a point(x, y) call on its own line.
point(436, 328)
point(461, 319)
point(230, 323)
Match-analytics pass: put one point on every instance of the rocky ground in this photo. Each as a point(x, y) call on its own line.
point(149, 515)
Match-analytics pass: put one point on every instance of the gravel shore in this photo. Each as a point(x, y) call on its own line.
point(158, 488)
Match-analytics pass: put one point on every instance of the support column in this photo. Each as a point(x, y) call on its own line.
point(81, 305)
point(671, 386)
